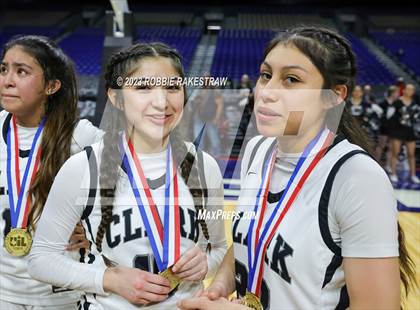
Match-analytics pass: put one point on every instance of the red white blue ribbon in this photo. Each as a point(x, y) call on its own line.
point(259, 236)
point(19, 200)
point(164, 237)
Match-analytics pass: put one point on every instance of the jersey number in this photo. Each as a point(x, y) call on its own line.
point(241, 279)
point(146, 263)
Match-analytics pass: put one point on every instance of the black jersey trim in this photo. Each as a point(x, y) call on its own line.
point(335, 263)
point(344, 301)
point(337, 140)
point(93, 173)
point(324, 200)
point(274, 197)
point(86, 304)
point(202, 176)
point(153, 184)
point(156, 183)
point(268, 153)
point(254, 151)
point(6, 124)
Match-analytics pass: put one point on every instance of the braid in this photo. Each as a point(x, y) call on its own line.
point(346, 44)
point(110, 159)
point(189, 173)
point(119, 61)
point(118, 66)
point(108, 175)
point(113, 70)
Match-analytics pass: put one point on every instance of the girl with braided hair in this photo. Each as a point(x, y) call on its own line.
point(325, 234)
point(39, 131)
point(140, 199)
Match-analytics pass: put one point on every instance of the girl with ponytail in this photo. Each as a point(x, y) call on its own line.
point(140, 199)
point(325, 234)
point(39, 131)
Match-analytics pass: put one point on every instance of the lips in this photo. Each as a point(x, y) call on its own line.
point(8, 96)
point(159, 119)
point(266, 114)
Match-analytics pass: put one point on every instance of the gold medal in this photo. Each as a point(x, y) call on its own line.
point(173, 279)
point(18, 242)
point(252, 301)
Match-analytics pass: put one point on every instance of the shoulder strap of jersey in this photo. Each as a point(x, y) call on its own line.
point(254, 151)
point(324, 201)
point(256, 148)
point(201, 174)
point(93, 172)
point(6, 126)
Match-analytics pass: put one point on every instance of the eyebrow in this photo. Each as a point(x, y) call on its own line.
point(17, 64)
point(286, 67)
point(266, 64)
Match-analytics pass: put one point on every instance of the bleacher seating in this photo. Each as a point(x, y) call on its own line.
point(370, 70)
point(11, 31)
point(277, 21)
point(153, 18)
point(405, 45)
point(240, 51)
point(402, 22)
point(185, 40)
point(84, 46)
point(34, 18)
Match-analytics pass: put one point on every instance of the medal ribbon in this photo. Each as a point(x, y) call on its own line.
point(164, 238)
point(257, 244)
point(18, 191)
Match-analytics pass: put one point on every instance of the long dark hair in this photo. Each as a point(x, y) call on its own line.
point(119, 65)
point(332, 55)
point(60, 112)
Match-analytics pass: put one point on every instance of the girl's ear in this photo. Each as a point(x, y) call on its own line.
point(115, 97)
point(341, 91)
point(52, 87)
point(337, 96)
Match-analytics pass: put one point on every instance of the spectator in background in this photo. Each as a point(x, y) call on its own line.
point(358, 107)
point(400, 84)
point(402, 131)
point(208, 110)
point(245, 83)
point(245, 90)
point(229, 84)
point(367, 113)
point(367, 94)
point(387, 111)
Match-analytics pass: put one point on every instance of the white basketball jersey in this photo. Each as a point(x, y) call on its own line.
point(126, 242)
point(16, 285)
point(303, 265)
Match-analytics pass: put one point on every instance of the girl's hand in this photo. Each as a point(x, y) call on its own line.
point(78, 239)
point(192, 266)
point(204, 303)
point(215, 291)
point(135, 285)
